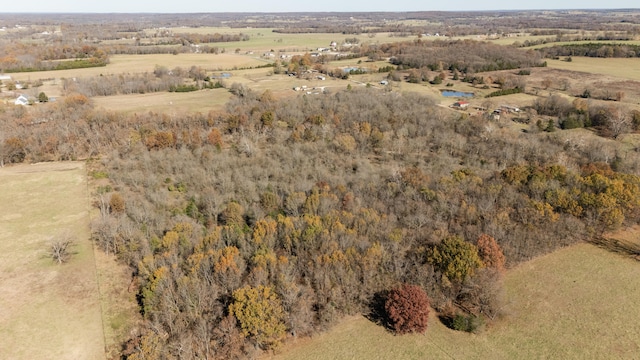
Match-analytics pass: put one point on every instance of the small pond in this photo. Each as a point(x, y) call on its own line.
point(453, 93)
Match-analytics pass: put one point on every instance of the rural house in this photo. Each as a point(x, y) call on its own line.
point(22, 100)
point(460, 105)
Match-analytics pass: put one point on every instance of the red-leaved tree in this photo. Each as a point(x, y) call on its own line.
point(407, 309)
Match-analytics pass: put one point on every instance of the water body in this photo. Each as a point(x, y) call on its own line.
point(453, 93)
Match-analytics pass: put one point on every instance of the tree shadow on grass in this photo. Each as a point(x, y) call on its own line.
point(377, 313)
point(446, 320)
point(622, 247)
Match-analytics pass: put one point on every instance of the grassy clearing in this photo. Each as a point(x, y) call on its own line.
point(119, 306)
point(47, 311)
point(122, 64)
point(623, 68)
point(166, 102)
point(577, 303)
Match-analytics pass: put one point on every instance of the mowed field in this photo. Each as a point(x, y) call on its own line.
point(580, 302)
point(123, 64)
point(623, 68)
point(166, 102)
point(47, 311)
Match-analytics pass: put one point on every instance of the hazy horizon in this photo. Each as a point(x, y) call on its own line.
point(255, 6)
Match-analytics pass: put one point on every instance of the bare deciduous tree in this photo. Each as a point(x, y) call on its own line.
point(60, 249)
point(618, 122)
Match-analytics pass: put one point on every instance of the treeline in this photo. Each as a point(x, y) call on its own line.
point(162, 79)
point(563, 37)
point(322, 27)
point(608, 120)
point(18, 57)
point(61, 65)
point(58, 54)
point(186, 39)
point(466, 56)
point(195, 38)
point(306, 209)
point(592, 50)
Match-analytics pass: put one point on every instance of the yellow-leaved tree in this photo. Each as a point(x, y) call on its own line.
point(260, 314)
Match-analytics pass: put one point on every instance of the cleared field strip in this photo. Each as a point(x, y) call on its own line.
point(47, 311)
point(166, 102)
point(623, 68)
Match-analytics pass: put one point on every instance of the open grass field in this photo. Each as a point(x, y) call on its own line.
point(47, 311)
point(577, 303)
point(122, 64)
point(623, 68)
point(166, 102)
point(119, 305)
point(502, 40)
point(264, 39)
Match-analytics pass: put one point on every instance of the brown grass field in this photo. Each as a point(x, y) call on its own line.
point(122, 64)
point(577, 303)
point(622, 68)
point(47, 311)
point(166, 102)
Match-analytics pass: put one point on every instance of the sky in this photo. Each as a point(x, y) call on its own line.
point(212, 6)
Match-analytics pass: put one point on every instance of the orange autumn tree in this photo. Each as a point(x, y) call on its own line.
point(490, 252)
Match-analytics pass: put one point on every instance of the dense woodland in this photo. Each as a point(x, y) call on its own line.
point(305, 210)
point(466, 56)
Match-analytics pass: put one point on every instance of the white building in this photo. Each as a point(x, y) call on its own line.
point(22, 100)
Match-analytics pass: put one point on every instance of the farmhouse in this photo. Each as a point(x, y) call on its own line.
point(509, 109)
point(460, 105)
point(22, 100)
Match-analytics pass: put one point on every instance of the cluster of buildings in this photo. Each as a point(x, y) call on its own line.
point(21, 99)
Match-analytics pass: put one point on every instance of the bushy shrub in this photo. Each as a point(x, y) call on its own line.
point(468, 323)
point(505, 92)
